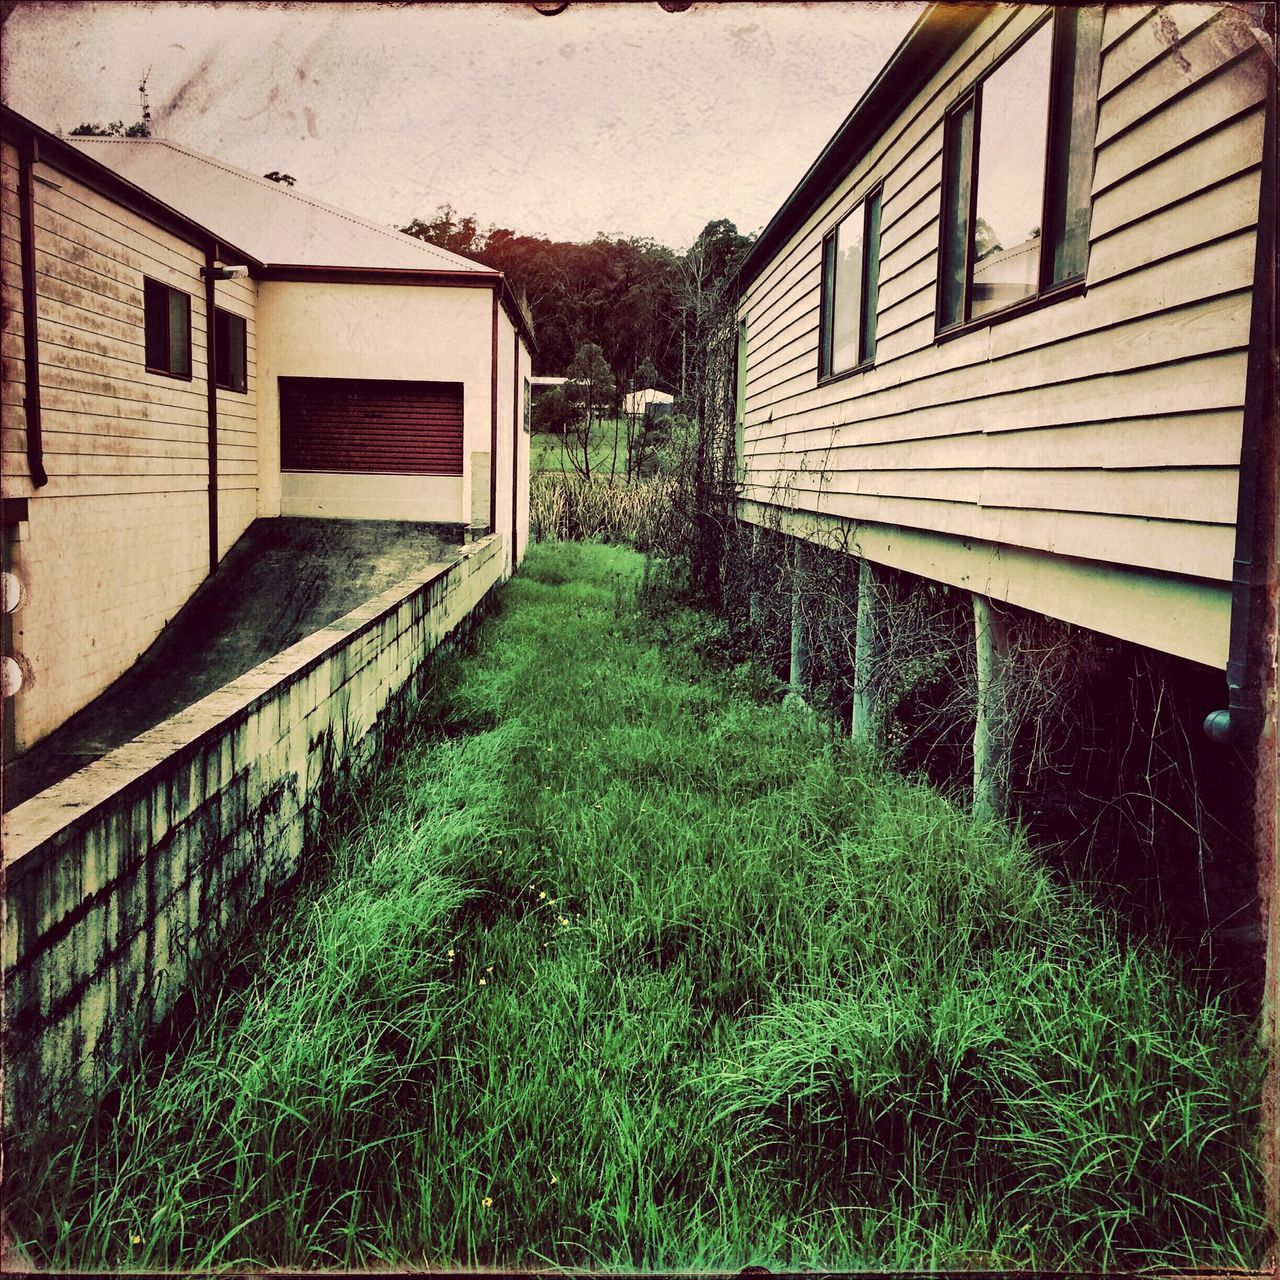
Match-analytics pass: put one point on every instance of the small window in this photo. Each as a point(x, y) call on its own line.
point(230, 350)
point(167, 317)
point(528, 407)
point(850, 289)
point(1017, 171)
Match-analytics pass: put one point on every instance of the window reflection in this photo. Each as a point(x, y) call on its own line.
point(1013, 135)
point(847, 305)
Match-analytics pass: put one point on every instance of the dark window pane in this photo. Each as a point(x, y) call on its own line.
point(179, 333)
point(1012, 141)
point(871, 280)
point(955, 215)
point(846, 303)
point(230, 355)
point(1079, 39)
point(155, 307)
point(239, 354)
point(222, 346)
point(828, 298)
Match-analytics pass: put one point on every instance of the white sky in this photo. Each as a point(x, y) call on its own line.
point(610, 117)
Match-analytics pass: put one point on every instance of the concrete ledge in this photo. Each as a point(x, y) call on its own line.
point(120, 878)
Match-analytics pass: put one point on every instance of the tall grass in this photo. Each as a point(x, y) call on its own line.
point(629, 968)
point(566, 508)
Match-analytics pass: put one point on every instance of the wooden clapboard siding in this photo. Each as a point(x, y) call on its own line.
point(15, 480)
point(1104, 426)
point(118, 538)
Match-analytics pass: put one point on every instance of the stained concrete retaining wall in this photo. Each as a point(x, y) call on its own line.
point(125, 875)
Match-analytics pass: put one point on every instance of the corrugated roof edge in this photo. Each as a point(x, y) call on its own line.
point(79, 164)
point(936, 34)
point(455, 260)
point(76, 163)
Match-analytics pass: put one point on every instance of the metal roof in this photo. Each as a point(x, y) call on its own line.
point(279, 225)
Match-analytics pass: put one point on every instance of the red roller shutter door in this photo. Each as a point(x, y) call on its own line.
point(379, 427)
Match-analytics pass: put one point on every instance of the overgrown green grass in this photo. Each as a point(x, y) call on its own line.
point(639, 970)
point(548, 451)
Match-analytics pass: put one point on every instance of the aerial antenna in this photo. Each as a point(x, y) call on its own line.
point(146, 105)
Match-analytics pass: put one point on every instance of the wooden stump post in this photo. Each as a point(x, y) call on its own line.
point(799, 673)
point(991, 731)
point(866, 653)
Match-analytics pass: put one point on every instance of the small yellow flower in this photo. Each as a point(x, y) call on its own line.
point(542, 895)
point(489, 969)
point(487, 1202)
point(450, 953)
point(135, 1239)
point(484, 982)
point(563, 920)
point(551, 902)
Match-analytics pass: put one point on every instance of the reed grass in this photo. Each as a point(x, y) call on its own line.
point(640, 513)
point(624, 967)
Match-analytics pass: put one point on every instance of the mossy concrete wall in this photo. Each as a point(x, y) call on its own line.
point(123, 877)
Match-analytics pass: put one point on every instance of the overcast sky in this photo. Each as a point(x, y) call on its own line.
point(619, 118)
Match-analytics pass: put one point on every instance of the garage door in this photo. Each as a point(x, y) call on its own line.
point(380, 427)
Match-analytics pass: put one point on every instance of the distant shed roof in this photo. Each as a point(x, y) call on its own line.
point(279, 225)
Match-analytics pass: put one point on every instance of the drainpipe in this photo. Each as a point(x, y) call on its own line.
point(493, 417)
point(211, 381)
point(28, 154)
point(1254, 569)
point(515, 436)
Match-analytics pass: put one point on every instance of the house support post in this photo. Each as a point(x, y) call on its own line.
point(991, 729)
point(799, 674)
point(753, 574)
point(866, 653)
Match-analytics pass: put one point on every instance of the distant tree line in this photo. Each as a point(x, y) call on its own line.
point(645, 306)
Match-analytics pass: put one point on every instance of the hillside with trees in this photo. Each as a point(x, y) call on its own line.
point(644, 305)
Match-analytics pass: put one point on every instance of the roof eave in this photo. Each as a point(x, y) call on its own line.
point(69, 159)
point(937, 33)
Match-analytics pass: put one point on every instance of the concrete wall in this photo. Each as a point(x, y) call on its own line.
point(416, 332)
point(122, 877)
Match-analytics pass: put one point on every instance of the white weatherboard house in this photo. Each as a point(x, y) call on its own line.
point(1012, 330)
point(187, 348)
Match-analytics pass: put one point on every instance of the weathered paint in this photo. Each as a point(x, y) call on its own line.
point(120, 879)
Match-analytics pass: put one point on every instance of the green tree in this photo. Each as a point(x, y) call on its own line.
point(591, 387)
point(116, 129)
point(450, 230)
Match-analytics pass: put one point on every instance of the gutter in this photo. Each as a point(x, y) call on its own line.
point(493, 421)
point(28, 154)
point(66, 158)
point(1254, 566)
point(515, 440)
